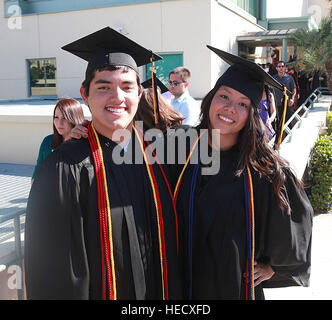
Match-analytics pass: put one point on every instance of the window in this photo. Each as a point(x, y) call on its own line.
point(242, 4)
point(42, 77)
point(164, 66)
point(250, 6)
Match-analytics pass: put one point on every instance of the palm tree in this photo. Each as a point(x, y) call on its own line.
point(315, 48)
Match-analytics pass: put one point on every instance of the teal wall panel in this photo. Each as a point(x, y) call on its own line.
point(164, 66)
point(52, 6)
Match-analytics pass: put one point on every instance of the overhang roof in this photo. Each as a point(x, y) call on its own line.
point(265, 38)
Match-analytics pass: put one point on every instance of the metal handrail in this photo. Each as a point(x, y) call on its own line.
point(16, 216)
point(305, 106)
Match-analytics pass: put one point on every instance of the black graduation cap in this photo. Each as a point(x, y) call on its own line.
point(108, 47)
point(148, 84)
point(245, 76)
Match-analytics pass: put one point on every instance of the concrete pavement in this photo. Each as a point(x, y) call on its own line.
point(321, 260)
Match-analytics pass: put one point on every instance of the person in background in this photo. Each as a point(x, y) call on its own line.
point(182, 101)
point(315, 80)
point(67, 114)
point(161, 88)
point(288, 82)
point(293, 73)
point(267, 111)
point(169, 117)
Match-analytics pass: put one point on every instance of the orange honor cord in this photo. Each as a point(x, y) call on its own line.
point(104, 216)
point(283, 118)
point(157, 202)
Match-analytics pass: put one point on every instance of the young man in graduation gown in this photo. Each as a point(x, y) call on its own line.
point(96, 229)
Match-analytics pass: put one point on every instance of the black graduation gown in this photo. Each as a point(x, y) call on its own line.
point(219, 248)
point(62, 235)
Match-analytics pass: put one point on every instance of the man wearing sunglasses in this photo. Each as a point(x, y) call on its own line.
point(182, 101)
point(288, 81)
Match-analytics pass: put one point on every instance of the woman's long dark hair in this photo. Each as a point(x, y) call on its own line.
point(254, 149)
point(72, 111)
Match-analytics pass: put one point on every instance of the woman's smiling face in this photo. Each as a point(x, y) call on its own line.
point(229, 112)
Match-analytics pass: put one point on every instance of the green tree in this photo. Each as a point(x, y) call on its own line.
point(315, 48)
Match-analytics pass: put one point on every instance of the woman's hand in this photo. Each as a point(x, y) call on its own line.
point(268, 122)
point(262, 272)
point(80, 131)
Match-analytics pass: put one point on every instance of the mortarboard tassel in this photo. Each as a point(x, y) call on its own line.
point(283, 119)
point(155, 93)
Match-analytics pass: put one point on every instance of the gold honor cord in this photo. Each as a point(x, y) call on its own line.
point(160, 223)
point(283, 118)
point(176, 190)
point(251, 199)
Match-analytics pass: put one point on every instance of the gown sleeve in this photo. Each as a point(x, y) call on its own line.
point(55, 259)
point(284, 239)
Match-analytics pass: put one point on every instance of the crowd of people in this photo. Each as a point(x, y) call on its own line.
point(298, 82)
point(153, 229)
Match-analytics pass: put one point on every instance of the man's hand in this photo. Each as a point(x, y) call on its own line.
point(80, 131)
point(262, 272)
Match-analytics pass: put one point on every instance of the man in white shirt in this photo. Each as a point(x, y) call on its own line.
point(182, 101)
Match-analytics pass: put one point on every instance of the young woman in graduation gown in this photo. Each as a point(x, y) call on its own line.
point(248, 226)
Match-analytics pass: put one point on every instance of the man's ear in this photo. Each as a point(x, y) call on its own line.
point(84, 96)
point(140, 91)
point(186, 84)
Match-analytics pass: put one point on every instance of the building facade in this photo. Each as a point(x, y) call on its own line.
point(32, 65)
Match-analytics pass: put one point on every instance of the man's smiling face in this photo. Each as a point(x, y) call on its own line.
point(113, 100)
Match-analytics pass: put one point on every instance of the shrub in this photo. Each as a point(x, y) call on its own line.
point(321, 175)
point(329, 122)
